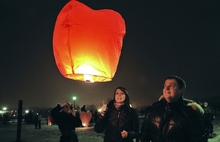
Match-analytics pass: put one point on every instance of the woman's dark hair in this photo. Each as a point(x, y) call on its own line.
point(127, 100)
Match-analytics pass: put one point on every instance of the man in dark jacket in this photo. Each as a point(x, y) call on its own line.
point(171, 119)
point(118, 120)
point(65, 116)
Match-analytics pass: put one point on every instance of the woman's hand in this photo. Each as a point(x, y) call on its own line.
point(104, 108)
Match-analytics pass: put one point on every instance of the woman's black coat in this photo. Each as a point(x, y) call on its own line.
point(115, 121)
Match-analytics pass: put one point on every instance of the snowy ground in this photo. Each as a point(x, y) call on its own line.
point(8, 133)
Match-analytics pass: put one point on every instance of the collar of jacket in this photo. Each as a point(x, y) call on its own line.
point(175, 104)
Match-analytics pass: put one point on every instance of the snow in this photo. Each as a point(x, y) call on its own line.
point(8, 133)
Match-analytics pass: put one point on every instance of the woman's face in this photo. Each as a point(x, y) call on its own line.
point(119, 96)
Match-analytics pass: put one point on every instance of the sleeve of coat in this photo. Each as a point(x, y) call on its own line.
point(100, 123)
point(55, 112)
point(135, 126)
point(145, 130)
point(77, 120)
point(196, 127)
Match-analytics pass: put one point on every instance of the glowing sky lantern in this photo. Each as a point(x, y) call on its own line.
point(85, 117)
point(87, 43)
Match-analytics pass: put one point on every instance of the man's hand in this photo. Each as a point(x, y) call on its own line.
point(124, 134)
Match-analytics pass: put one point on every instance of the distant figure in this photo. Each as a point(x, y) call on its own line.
point(36, 121)
point(172, 119)
point(83, 108)
point(118, 120)
point(39, 121)
point(95, 116)
point(29, 117)
point(207, 119)
point(66, 118)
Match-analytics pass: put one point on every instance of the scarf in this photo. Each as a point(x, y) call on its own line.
point(118, 105)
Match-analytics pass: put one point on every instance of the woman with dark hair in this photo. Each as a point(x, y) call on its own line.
point(118, 120)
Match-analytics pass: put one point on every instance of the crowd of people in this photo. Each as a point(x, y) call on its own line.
point(173, 118)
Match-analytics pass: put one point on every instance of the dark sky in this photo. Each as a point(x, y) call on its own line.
point(162, 38)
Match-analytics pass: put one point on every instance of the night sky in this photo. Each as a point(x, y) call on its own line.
point(162, 38)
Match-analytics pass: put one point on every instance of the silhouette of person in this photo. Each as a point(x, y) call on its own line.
point(207, 119)
point(67, 120)
point(83, 108)
point(36, 121)
point(39, 121)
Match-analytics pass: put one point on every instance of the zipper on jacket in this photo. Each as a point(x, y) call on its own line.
point(118, 120)
point(118, 114)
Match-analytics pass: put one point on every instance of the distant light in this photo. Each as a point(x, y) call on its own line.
point(4, 108)
point(99, 110)
point(74, 98)
point(27, 111)
point(130, 105)
point(84, 124)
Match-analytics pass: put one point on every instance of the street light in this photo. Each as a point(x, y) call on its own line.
point(74, 99)
point(4, 109)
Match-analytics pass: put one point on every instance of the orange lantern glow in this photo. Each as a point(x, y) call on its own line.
point(49, 120)
point(85, 117)
point(87, 43)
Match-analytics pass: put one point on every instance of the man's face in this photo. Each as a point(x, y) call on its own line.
point(171, 90)
point(119, 96)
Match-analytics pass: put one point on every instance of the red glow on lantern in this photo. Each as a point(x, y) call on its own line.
point(85, 118)
point(49, 120)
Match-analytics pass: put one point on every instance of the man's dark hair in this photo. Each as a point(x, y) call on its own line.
point(180, 81)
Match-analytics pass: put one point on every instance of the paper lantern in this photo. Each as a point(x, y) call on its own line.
point(87, 43)
point(85, 117)
point(49, 120)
